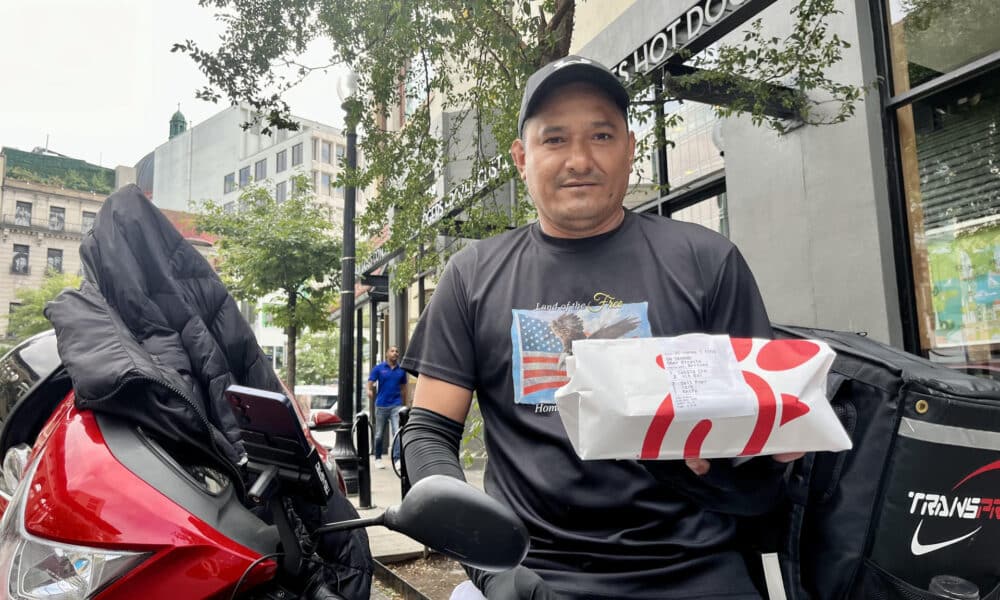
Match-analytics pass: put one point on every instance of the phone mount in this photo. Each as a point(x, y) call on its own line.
point(278, 451)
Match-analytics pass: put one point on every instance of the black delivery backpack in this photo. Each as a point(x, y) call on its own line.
point(917, 496)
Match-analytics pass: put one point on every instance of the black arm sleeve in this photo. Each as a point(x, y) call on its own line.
point(430, 445)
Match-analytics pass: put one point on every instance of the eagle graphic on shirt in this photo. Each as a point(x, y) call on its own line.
point(542, 339)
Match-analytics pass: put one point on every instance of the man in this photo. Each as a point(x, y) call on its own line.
point(391, 380)
point(506, 311)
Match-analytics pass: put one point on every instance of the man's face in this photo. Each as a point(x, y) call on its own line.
point(575, 156)
point(393, 354)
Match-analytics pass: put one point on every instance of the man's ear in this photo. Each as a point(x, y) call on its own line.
point(517, 153)
point(631, 150)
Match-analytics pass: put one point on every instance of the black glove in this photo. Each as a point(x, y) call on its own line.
point(520, 583)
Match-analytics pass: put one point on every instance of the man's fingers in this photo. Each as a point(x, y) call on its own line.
point(699, 466)
point(785, 457)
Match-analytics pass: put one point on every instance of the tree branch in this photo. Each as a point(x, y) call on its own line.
point(560, 14)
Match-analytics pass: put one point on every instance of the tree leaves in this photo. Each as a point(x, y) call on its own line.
point(27, 319)
point(288, 249)
point(453, 72)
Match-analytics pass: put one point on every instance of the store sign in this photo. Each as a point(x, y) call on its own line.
point(376, 259)
point(683, 33)
point(447, 206)
point(469, 189)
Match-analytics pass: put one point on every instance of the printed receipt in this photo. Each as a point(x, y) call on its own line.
point(705, 378)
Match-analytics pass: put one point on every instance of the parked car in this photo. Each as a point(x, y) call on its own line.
point(317, 398)
point(320, 403)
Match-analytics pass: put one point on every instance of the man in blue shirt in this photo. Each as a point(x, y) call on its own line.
point(391, 381)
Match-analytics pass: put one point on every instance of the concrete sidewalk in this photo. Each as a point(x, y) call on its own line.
point(389, 546)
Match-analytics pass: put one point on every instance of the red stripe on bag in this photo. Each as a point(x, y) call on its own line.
point(658, 429)
point(692, 448)
point(766, 413)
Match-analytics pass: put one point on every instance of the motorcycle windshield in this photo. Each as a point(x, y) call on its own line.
point(24, 366)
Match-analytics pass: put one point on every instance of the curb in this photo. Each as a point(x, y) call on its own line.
point(394, 581)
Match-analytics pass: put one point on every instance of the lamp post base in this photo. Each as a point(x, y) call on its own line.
point(347, 459)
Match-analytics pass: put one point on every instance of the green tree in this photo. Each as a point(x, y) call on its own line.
point(319, 353)
point(286, 247)
point(27, 319)
point(472, 56)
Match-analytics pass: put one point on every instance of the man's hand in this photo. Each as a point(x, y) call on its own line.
point(700, 466)
point(520, 583)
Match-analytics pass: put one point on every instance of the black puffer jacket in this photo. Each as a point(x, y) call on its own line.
point(153, 335)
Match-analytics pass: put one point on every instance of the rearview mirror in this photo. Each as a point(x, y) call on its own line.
point(462, 522)
point(322, 420)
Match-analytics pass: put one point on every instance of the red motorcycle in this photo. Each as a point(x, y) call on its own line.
point(95, 507)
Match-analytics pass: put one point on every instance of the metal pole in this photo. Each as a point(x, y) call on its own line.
point(373, 345)
point(359, 362)
point(343, 449)
point(663, 179)
point(364, 466)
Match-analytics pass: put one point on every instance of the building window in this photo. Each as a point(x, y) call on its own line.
point(260, 170)
point(87, 221)
point(324, 184)
point(930, 39)
point(229, 183)
point(22, 214)
point(244, 176)
point(338, 192)
point(276, 354)
point(19, 266)
point(325, 148)
point(281, 191)
point(281, 161)
point(693, 153)
point(341, 152)
point(949, 152)
point(54, 260)
point(297, 154)
point(57, 218)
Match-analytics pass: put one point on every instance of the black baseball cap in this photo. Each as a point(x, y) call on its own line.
point(570, 69)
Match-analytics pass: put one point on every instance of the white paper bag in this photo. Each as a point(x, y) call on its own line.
point(698, 396)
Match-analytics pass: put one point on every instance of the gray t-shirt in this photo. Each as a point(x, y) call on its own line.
point(500, 323)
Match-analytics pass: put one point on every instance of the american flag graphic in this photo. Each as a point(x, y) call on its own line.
point(540, 372)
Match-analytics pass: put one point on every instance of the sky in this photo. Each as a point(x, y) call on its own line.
point(97, 78)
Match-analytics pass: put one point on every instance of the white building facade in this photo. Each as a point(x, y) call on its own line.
point(214, 160)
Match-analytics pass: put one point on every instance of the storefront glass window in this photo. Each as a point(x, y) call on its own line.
point(929, 38)
point(693, 143)
point(950, 153)
point(693, 148)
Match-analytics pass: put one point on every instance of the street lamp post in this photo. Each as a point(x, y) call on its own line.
point(343, 450)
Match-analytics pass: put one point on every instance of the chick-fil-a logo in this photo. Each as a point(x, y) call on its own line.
point(776, 355)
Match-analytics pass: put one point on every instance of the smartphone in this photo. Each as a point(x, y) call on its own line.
point(273, 434)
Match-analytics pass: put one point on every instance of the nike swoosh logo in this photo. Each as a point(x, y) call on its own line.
point(919, 549)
